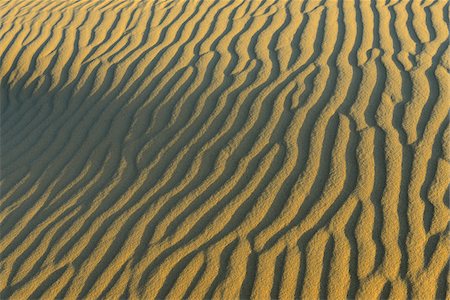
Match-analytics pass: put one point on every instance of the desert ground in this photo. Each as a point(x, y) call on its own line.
point(224, 149)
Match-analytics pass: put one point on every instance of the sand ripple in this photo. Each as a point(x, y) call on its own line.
point(224, 149)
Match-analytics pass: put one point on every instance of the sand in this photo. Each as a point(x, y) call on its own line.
point(224, 149)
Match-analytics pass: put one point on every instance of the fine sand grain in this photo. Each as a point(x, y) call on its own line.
point(224, 149)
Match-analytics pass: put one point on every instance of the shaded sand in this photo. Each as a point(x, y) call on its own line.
point(224, 149)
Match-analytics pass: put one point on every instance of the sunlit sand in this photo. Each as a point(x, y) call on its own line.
point(224, 149)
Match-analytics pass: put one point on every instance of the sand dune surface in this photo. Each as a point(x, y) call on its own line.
point(224, 149)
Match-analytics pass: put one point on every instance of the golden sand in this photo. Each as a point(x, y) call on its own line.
point(224, 149)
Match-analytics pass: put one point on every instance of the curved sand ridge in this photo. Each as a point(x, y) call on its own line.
point(224, 149)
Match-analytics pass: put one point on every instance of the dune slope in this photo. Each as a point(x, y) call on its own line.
point(224, 149)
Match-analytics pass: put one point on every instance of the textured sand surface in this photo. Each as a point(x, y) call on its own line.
point(224, 149)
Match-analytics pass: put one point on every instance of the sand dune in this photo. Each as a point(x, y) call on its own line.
point(224, 149)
